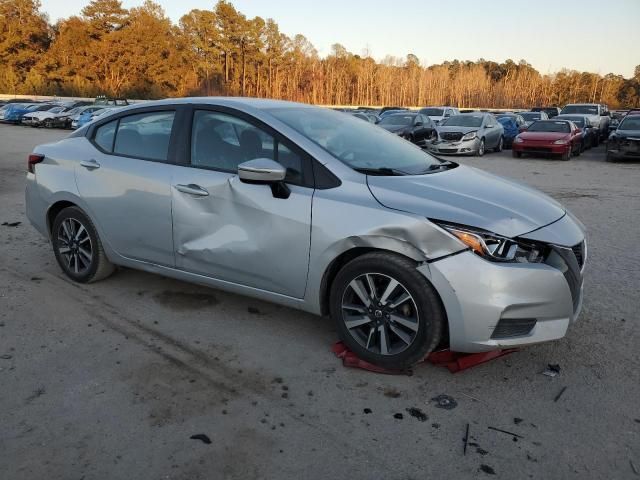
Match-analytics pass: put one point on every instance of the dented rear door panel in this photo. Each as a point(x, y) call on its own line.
point(240, 233)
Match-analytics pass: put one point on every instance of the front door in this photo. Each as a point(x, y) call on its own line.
point(234, 231)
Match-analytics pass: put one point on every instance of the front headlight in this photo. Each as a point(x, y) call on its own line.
point(469, 136)
point(496, 248)
point(518, 140)
point(560, 142)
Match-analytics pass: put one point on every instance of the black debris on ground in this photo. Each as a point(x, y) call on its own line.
point(10, 224)
point(559, 394)
point(514, 435)
point(435, 425)
point(277, 380)
point(398, 416)
point(367, 411)
point(633, 467)
point(481, 451)
point(466, 440)
point(552, 370)
point(517, 420)
point(253, 311)
point(487, 469)
point(202, 437)
point(445, 401)
point(417, 413)
point(6, 356)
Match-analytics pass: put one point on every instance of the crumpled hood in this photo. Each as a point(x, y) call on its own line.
point(441, 128)
point(468, 196)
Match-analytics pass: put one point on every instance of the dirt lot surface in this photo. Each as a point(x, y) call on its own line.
point(110, 380)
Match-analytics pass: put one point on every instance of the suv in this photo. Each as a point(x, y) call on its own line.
point(598, 115)
point(438, 114)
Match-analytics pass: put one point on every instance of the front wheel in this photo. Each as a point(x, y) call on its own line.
point(78, 248)
point(516, 154)
point(480, 151)
point(385, 311)
point(48, 123)
point(566, 155)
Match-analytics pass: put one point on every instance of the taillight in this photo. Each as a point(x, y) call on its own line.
point(33, 159)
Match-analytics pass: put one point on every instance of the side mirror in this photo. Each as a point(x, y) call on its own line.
point(418, 124)
point(491, 125)
point(261, 170)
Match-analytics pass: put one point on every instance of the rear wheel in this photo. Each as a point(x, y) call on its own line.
point(78, 248)
point(48, 123)
point(385, 311)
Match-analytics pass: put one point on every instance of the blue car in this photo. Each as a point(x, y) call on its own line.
point(15, 111)
point(511, 130)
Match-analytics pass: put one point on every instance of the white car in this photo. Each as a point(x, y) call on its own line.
point(438, 114)
point(44, 118)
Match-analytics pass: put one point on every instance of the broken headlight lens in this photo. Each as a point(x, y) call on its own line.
point(496, 248)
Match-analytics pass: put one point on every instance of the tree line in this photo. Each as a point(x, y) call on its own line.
point(139, 53)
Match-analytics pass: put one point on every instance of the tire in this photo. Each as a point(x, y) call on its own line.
point(566, 156)
point(73, 223)
point(481, 149)
point(596, 140)
point(412, 328)
point(48, 123)
point(515, 154)
point(578, 150)
point(500, 145)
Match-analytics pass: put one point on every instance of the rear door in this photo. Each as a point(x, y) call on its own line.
point(238, 232)
point(125, 183)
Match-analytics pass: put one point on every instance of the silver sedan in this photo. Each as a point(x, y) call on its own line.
point(315, 210)
point(469, 134)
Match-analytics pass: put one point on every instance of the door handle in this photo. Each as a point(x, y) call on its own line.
point(192, 189)
point(90, 164)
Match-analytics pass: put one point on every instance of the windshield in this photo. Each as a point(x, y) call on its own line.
point(358, 144)
point(397, 119)
point(549, 126)
point(588, 109)
point(433, 112)
point(630, 123)
point(531, 115)
point(463, 121)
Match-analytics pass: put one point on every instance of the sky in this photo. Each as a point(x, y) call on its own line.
point(587, 35)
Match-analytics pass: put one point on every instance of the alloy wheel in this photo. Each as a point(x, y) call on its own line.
point(380, 313)
point(74, 246)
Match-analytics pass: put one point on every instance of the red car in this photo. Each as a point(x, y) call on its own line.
point(549, 137)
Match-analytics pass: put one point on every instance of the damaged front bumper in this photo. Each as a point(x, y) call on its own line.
point(500, 305)
point(460, 147)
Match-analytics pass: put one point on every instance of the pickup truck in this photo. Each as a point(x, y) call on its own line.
point(598, 115)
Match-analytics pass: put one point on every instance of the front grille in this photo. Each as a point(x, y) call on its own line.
point(538, 149)
point(448, 150)
point(513, 327)
point(453, 136)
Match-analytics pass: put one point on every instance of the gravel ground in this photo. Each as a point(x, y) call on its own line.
point(111, 380)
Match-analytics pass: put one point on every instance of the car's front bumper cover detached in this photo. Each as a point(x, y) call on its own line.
point(455, 147)
point(493, 305)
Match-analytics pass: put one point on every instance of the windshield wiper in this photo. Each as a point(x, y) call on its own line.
point(445, 164)
point(382, 171)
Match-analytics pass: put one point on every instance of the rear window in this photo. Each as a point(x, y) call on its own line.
point(104, 136)
point(145, 135)
point(433, 112)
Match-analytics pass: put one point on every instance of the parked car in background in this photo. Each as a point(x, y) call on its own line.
point(598, 115)
point(386, 109)
point(43, 118)
point(89, 114)
point(437, 114)
point(590, 136)
point(516, 117)
point(412, 126)
point(469, 134)
point(366, 115)
point(549, 137)
point(550, 111)
point(510, 127)
point(530, 117)
point(382, 114)
point(15, 111)
point(71, 119)
point(110, 101)
point(624, 143)
point(633, 111)
point(402, 250)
